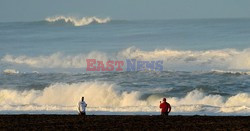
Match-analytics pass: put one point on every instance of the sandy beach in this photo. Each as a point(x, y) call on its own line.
point(92, 122)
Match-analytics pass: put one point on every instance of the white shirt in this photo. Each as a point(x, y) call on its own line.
point(82, 106)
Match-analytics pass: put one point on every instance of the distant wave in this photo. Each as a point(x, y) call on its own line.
point(179, 60)
point(10, 71)
point(230, 72)
point(224, 59)
point(56, 60)
point(105, 96)
point(78, 21)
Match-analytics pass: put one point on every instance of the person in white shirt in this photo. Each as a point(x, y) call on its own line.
point(82, 107)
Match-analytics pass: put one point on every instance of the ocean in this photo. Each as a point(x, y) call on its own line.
point(206, 66)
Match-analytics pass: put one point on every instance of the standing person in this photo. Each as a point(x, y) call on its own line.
point(165, 107)
point(82, 107)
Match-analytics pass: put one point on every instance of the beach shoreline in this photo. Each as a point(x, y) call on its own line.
point(127, 122)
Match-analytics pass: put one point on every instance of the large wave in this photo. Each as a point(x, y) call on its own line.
point(224, 59)
point(78, 21)
point(56, 60)
point(104, 96)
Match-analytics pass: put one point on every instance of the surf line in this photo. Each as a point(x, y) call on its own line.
point(120, 65)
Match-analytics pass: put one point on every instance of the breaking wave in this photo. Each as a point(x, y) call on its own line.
point(56, 60)
point(224, 60)
point(210, 59)
point(10, 71)
point(104, 96)
point(78, 21)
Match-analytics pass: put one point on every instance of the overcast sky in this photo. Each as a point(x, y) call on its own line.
point(29, 10)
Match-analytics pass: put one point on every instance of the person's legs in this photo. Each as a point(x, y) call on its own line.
point(164, 113)
point(82, 113)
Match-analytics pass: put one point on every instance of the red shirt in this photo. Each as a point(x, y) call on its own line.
point(165, 107)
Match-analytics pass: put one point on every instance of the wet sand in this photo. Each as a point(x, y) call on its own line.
point(92, 122)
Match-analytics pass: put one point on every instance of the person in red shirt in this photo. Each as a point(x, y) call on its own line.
point(165, 107)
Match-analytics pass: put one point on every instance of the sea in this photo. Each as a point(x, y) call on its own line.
point(206, 66)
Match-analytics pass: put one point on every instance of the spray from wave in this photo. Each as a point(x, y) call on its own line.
point(103, 96)
point(10, 71)
point(225, 59)
point(78, 21)
point(56, 60)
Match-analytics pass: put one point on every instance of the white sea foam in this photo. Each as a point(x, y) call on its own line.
point(57, 60)
point(10, 71)
point(219, 59)
point(225, 59)
point(103, 96)
point(230, 72)
point(78, 21)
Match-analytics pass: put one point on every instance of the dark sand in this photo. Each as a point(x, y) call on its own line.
point(52, 122)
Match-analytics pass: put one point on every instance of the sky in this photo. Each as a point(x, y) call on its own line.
point(30, 10)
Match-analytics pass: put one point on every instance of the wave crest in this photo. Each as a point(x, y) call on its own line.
point(10, 71)
point(225, 59)
point(56, 60)
point(105, 96)
point(78, 21)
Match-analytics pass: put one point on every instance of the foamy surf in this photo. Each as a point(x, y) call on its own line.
point(109, 97)
point(78, 21)
point(182, 60)
point(206, 66)
point(10, 71)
